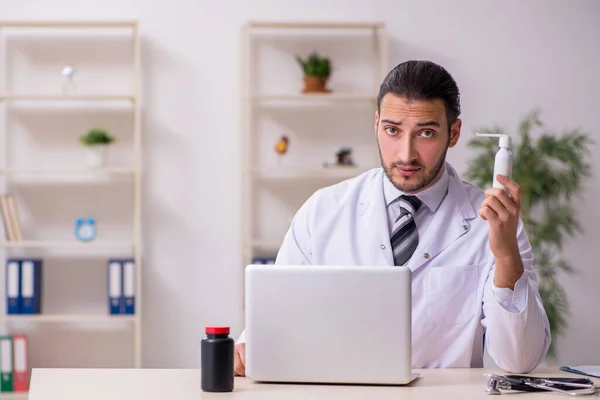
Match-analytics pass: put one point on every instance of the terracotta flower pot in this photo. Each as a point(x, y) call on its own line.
point(312, 84)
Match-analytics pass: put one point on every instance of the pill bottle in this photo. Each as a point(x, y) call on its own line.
point(217, 360)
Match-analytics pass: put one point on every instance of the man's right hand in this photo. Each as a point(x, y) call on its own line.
point(239, 358)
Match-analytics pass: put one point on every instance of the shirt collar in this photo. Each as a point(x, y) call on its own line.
point(432, 196)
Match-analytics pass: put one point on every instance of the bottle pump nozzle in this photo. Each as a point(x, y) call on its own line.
point(504, 139)
point(503, 161)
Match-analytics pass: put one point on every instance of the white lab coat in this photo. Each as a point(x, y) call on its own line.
point(453, 268)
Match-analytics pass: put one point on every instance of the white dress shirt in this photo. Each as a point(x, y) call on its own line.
point(454, 300)
point(432, 197)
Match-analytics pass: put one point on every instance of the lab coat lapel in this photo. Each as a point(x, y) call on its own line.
point(373, 216)
point(450, 222)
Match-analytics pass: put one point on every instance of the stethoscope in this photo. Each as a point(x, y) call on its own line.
point(498, 383)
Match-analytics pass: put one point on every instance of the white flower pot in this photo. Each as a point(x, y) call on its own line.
point(96, 155)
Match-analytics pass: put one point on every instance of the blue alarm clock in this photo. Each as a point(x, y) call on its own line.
point(85, 229)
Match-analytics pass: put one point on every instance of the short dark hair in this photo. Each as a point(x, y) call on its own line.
point(422, 80)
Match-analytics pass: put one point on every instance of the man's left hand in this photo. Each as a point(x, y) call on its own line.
point(502, 212)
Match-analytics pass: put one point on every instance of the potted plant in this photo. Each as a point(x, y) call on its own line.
point(96, 142)
point(316, 71)
point(550, 170)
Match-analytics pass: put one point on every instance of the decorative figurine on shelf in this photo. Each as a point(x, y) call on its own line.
point(85, 229)
point(281, 147)
point(343, 158)
point(316, 70)
point(96, 142)
point(69, 86)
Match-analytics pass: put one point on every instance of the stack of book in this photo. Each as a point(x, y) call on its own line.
point(14, 369)
point(263, 260)
point(10, 219)
point(23, 286)
point(121, 286)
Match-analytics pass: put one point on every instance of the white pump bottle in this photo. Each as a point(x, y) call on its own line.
point(504, 159)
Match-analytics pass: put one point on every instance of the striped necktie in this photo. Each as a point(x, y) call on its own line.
point(405, 237)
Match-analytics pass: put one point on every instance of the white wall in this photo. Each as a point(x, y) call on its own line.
point(508, 58)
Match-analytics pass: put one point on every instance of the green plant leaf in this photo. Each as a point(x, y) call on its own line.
point(557, 223)
point(315, 65)
point(96, 136)
point(556, 305)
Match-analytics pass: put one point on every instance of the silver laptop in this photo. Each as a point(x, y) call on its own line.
point(328, 324)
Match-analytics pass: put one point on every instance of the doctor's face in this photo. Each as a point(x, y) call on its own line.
point(413, 138)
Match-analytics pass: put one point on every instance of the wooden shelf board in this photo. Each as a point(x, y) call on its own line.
point(68, 317)
point(63, 243)
point(14, 395)
point(291, 173)
point(70, 97)
point(314, 25)
point(314, 97)
point(67, 24)
point(60, 171)
point(270, 243)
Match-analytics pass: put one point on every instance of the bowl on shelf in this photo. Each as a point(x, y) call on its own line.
point(95, 156)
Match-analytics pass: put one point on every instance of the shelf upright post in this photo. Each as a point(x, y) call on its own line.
point(247, 132)
point(137, 195)
point(3, 165)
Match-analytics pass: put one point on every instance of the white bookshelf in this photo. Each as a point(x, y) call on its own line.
point(281, 98)
point(75, 177)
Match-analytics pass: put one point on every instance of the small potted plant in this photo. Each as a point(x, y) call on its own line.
point(96, 142)
point(316, 71)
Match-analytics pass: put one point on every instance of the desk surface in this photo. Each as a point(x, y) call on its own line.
point(184, 384)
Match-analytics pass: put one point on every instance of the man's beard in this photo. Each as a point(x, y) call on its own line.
point(427, 179)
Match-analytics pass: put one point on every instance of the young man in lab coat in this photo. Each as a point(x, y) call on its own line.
point(471, 260)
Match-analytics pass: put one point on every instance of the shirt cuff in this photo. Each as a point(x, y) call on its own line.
point(242, 338)
point(513, 301)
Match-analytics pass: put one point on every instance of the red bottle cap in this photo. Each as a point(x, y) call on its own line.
point(217, 330)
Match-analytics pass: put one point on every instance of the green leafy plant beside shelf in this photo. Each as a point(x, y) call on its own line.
point(316, 70)
point(550, 171)
point(96, 136)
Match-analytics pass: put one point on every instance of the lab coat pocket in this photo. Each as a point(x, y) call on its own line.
point(452, 294)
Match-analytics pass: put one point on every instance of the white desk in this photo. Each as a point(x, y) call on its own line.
point(184, 384)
